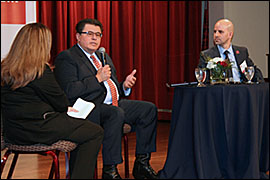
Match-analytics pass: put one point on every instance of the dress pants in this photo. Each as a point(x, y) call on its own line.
point(83, 159)
point(141, 115)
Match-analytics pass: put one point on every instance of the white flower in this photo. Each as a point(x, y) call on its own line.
point(217, 59)
point(211, 64)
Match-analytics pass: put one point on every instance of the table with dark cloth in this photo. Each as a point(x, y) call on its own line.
point(219, 131)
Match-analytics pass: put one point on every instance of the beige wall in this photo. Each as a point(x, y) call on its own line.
point(251, 22)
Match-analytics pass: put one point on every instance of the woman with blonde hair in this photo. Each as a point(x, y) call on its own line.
point(34, 107)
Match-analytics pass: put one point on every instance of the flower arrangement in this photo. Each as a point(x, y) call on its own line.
point(219, 69)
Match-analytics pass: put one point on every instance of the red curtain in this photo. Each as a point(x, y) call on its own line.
point(205, 38)
point(161, 39)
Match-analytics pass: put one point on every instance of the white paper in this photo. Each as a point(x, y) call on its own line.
point(243, 66)
point(84, 108)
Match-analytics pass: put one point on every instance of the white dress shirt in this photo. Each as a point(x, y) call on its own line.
point(235, 70)
point(108, 98)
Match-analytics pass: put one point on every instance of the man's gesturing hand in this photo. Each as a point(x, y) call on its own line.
point(130, 80)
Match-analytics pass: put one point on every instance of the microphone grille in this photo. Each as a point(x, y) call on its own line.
point(102, 50)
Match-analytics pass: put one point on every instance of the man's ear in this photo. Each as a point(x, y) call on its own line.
point(78, 36)
point(231, 35)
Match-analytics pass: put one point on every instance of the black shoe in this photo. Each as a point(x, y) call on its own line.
point(142, 168)
point(110, 172)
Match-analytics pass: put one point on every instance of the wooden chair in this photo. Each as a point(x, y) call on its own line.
point(126, 130)
point(42, 149)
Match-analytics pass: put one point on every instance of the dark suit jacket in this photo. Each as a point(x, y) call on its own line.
point(240, 53)
point(77, 77)
point(23, 111)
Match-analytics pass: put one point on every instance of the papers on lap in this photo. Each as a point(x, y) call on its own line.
point(84, 108)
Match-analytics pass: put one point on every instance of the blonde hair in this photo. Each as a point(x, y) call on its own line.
point(27, 57)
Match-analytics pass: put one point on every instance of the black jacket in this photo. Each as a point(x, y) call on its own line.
point(23, 112)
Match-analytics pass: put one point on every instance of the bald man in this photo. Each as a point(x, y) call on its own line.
point(223, 35)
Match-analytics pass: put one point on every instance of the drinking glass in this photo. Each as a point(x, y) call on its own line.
point(249, 73)
point(200, 75)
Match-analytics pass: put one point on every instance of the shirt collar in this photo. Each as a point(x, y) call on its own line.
point(222, 50)
point(86, 53)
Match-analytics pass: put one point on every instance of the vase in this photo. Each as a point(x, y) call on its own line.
point(219, 76)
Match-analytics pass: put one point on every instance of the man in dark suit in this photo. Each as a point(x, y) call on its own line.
point(82, 73)
point(223, 35)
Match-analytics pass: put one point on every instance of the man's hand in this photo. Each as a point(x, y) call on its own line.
point(71, 109)
point(130, 80)
point(103, 73)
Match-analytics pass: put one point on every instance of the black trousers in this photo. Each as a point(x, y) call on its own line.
point(59, 126)
point(141, 115)
point(83, 159)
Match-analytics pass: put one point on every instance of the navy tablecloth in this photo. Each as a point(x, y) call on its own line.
point(219, 131)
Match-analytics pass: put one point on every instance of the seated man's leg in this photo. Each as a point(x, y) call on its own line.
point(142, 116)
point(112, 119)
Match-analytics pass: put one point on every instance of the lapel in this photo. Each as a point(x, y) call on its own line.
point(216, 52)
point(237, 55)
point(84, 59)
point(239, 59)
point(90, 66)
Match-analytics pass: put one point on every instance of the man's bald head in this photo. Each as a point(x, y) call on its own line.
point(223, 33)
point(226, 23)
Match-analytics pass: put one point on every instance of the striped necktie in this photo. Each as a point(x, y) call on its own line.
point(110, 83)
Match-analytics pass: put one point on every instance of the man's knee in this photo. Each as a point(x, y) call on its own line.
point(117, 115)
point(113, 119)
point(152, 108)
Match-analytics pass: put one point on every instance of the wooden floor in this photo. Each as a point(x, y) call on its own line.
point(37, 166)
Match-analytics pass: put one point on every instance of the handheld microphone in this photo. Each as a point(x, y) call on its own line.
point(102, 52)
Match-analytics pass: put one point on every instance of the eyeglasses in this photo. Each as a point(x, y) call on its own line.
point(90, 33)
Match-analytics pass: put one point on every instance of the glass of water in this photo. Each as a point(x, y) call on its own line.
point(249, 73)
point(200, 75)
